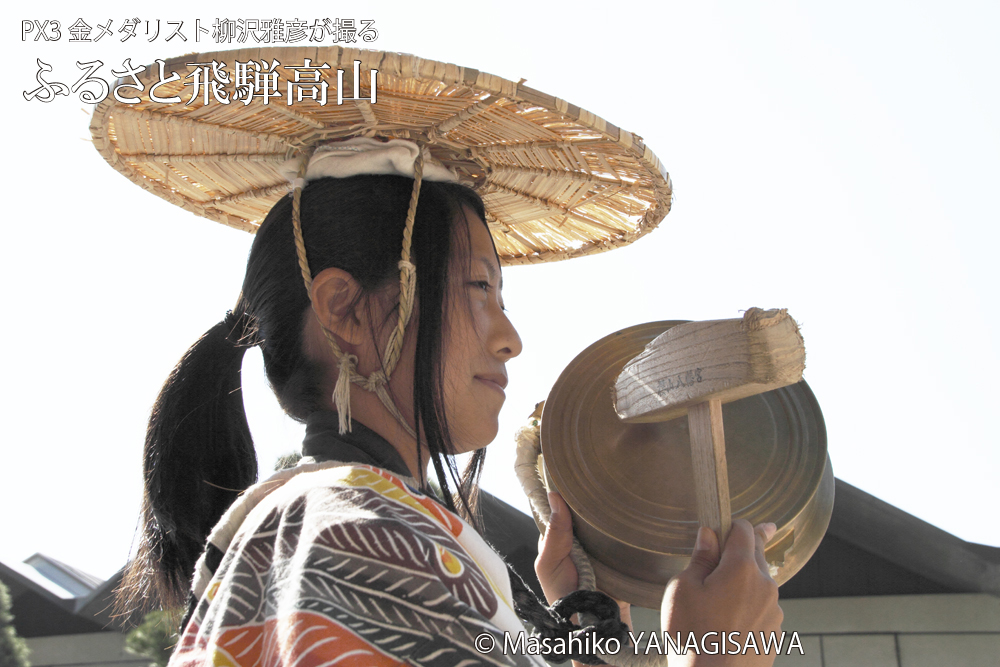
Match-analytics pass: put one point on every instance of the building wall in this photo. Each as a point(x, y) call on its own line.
point(94, 649)
point(950, 630)
point(958, 630)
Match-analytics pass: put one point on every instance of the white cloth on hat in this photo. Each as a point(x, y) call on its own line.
point(365, 155)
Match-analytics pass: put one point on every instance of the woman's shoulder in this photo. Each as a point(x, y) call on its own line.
point(356, 554)
point(352, 492)
point(311, 499)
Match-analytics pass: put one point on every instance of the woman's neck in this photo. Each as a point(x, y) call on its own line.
point(367, 409)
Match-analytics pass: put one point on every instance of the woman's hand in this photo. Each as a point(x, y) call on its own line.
point(554, 567)
point(731, 593)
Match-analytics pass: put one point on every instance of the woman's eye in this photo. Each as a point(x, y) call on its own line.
point(481, 284)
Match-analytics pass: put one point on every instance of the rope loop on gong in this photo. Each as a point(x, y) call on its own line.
point(593, 606)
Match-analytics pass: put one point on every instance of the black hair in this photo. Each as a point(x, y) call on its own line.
point(199, 455)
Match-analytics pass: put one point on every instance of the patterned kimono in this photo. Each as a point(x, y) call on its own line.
point(333, 563)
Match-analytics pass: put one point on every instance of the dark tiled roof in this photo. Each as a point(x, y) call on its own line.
point(871, 548)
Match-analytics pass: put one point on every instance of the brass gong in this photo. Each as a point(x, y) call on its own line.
point(630, 487)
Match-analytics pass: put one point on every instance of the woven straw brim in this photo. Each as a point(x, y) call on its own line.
point(558, 182)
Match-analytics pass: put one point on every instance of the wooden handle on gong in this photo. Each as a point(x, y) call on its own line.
point(708, 458)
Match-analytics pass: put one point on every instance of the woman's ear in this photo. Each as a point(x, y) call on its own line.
point(335, 301)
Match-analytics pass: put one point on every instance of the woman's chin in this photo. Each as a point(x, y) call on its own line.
point(480, 437)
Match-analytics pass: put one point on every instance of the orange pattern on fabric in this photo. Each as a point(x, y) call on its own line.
point(303, 639)
point(390, 486)
point(451, 564)
point(240, 646)
point(310, 640)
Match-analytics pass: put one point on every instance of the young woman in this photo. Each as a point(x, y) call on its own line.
point(348, 558)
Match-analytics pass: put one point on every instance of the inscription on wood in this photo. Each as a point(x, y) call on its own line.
point(723, 360)
point(688, 379)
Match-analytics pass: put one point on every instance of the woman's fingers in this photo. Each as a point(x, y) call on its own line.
point(738, 594)
point(744, 546)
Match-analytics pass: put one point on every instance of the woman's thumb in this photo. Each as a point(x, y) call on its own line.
point(705, 557)
point(558, 538)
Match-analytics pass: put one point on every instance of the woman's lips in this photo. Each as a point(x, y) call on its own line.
point(493, 383)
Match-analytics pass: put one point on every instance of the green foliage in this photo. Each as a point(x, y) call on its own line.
point(13, 649)
point(155, 638)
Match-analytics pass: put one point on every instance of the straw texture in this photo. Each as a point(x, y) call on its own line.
point(558, 181)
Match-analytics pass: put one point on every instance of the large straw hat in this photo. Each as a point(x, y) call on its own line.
point(558, 181)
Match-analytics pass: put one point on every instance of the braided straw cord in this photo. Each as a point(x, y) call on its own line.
point(529, 449)
point(407, 273)
point(347, 363)
point(300, 244)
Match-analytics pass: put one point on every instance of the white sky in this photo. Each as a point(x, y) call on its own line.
point(836, 159)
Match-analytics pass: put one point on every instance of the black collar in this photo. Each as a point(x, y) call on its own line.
point(324, 442)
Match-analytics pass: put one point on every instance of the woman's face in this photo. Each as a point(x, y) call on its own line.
point(478, 341)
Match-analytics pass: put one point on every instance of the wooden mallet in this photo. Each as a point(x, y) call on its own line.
point(693, 369)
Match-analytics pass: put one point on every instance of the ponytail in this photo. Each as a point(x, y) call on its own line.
point(198, 454)
point(197, 459)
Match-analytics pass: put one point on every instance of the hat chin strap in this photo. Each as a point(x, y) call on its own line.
point(347, 364)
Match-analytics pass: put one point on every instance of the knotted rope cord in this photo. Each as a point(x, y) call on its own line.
point(407, 273)
point(529, 449)
point(347, 363)
point(554, 625)
point(526, 468)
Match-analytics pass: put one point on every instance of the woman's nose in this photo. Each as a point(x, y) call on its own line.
point(507, 343)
